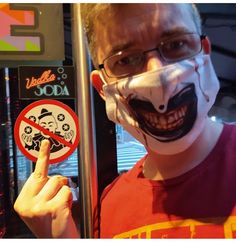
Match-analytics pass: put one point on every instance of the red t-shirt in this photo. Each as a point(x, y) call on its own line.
point(197, 204)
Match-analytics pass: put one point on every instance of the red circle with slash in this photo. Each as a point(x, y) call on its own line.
point(48, 119)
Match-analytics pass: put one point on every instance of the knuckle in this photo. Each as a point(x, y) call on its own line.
point(66, 189)
point(38, 210)
point(21, 210)
point(64, 180)
point(33, 209)
point(54, 178)
point(54, 210)
point(68, 192)
point(58, 179)
point(39, 177)
point(16, 206)
point(19, 206)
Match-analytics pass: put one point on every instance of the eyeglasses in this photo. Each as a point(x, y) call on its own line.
point(130, 62)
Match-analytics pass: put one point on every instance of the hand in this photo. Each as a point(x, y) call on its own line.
point(44, 203)
point(28, 140)
point(69, 135)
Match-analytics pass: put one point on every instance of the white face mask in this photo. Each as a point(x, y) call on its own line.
point(165, 109)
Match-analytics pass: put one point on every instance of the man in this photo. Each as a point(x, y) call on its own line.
point(154, 72)
point(46, 120)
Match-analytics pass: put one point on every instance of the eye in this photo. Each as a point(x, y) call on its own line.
point(175, 45)
point(43, 124)
point(129, 60)
point(126, 62)
point(180, 47)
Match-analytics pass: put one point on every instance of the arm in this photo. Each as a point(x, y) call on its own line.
point(44, 203)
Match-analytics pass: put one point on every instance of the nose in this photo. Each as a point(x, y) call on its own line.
point(153, 61)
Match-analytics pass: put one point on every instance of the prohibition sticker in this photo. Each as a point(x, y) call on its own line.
point(47, 119)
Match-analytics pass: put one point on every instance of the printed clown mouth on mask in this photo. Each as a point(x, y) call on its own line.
point(176, 122)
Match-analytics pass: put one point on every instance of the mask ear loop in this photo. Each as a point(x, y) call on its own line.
point(199, 77)
point(102, 78)
point(204, 94)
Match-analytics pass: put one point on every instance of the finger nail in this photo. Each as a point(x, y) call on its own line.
point(45, 142)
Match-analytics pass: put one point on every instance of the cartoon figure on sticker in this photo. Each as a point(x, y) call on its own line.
point(53, 124)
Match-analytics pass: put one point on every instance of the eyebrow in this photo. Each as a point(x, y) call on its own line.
point(166, 34)
point(175, 31)
point(119, 48)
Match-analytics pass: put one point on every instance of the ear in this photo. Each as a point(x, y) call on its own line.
point(206, 45)
point(97, 83)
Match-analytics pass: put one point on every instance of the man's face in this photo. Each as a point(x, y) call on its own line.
point(49, 123)
point(142, 27)
point(162, 104)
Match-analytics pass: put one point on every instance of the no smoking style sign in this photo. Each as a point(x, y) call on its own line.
point(47, 119)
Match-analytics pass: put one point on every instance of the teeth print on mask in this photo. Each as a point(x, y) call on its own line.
point(172, 124)
point(165, 109)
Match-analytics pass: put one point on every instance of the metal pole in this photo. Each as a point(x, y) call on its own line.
point(88, 165)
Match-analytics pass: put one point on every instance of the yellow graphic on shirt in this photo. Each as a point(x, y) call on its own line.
point(188, 228)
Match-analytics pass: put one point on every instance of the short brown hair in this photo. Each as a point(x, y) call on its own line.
point(91, 12)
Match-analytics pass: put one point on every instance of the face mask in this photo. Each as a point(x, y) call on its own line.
point(165, 109)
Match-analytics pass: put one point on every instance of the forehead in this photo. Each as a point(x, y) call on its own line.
point(127, 25)
point(47, 118)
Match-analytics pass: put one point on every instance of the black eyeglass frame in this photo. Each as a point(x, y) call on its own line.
point(202, 37)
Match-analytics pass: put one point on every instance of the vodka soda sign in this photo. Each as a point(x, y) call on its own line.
point(36, 82)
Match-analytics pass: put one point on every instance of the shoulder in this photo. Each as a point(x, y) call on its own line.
point(226, 144)
point(229, 132)
point(123, 183)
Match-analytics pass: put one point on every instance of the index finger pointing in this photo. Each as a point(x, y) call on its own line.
point(41, 168)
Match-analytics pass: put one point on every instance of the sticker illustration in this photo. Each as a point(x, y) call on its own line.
point(47, 119)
